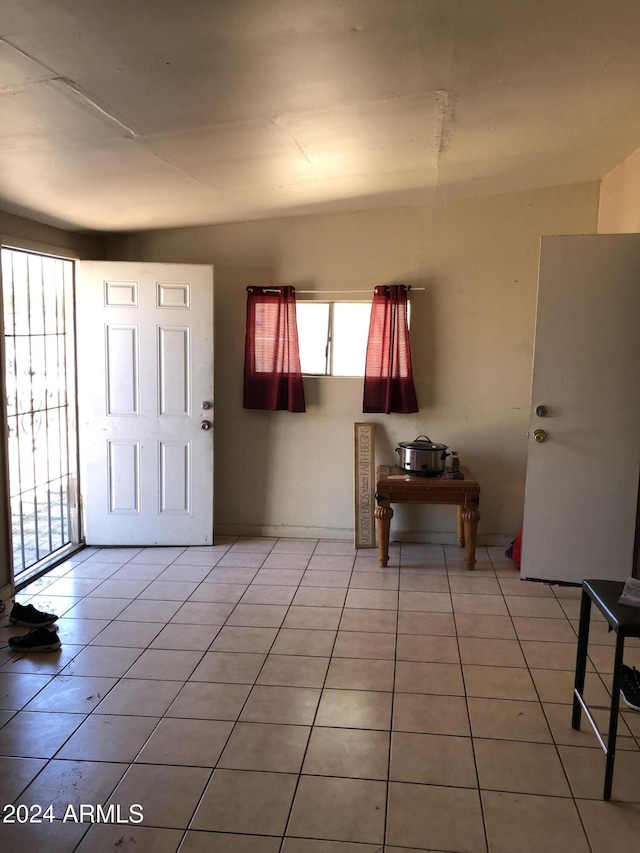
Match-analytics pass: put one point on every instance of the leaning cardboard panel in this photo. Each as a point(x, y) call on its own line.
point(364, 485)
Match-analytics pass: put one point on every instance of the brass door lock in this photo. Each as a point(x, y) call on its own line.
point(540, 435)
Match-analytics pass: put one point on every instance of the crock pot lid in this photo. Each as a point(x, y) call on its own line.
point(422, 445)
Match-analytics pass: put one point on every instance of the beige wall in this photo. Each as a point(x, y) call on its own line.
point(472, 338)
point(620, 198)
point(17, 231)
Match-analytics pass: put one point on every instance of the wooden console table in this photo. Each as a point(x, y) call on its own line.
point(393, 485)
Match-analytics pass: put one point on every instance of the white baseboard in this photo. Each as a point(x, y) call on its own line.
point(284, 531)
point(6, 593)
point(429, 537)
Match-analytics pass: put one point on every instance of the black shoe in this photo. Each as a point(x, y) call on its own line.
point(37, 640)
point(630, 687)
point(27, 615)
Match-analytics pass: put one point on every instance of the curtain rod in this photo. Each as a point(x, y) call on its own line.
point(407, 287)
point(305, 292)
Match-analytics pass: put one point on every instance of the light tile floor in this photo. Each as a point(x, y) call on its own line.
point(291, 696)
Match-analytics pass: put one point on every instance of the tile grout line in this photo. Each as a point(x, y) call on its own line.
point(315, 715)
point(466, 700)
point(385, 832)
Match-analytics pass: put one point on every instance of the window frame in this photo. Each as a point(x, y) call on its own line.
point(329, 346)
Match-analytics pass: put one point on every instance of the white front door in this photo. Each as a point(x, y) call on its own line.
point(582, 481)
point(145, 392)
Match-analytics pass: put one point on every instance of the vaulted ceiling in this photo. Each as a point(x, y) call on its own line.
point(120, 115)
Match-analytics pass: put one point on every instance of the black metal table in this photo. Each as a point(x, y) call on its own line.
point(625, 621)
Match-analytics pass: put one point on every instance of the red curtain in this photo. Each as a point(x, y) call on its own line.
point(272, 377)
point(388, 375)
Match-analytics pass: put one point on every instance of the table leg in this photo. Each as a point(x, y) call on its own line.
point(459, 527)
point(581, 658)
point(383, 514)
point(470, 518)
point(613, 717)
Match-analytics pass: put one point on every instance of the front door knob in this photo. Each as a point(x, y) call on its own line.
point(205, 425)
point(540, 435)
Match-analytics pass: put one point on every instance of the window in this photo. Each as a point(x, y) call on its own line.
point(333, 337)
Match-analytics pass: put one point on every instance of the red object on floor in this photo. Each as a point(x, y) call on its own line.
point(517, 548)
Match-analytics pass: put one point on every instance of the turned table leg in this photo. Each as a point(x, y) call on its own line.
point(383, 514)
point(459, 527)
point(470, 517)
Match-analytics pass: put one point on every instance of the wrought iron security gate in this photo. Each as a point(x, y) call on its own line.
point(39, 339)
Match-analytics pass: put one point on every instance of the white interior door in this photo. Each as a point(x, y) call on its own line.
point(145, 368)
point(582, 481)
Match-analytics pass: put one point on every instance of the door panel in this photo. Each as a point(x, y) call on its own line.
point(122, 370)
point(145, 343)
point(582, 481)
point(174, 359)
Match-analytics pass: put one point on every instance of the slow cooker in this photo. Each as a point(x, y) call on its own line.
point(422, 456)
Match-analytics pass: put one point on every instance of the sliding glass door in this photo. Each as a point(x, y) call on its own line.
point(39, 341)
